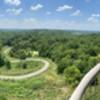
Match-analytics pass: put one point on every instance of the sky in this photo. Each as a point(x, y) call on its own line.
point(50, 14)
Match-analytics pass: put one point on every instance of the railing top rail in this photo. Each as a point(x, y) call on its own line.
point(79, 91)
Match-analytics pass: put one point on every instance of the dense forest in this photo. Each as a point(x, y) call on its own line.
point(75, 53)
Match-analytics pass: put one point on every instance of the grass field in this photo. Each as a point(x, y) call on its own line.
point(47, 86)
point(16, 68)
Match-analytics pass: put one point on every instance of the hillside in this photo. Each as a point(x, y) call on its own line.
point(70, 56)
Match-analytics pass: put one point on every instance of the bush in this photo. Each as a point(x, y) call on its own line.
point(63, 63)
point(72, 75)
point(2, 97)
point(1, 61)
point(8, 65)
point(24, 65)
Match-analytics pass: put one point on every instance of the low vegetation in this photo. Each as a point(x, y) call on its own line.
point(73, 54)
point(66, 49)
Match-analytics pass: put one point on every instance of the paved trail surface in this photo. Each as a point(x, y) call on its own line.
point(29, 75)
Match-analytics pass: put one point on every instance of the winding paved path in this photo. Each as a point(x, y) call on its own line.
point(26, 76)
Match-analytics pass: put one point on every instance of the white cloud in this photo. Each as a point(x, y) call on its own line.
point(32, 23)
point(95, 15)
point(76, 13)
point(26, 23)
point(29, 20)
point(14, 11)
point(63, 8)
point(36, 7)
point(94, 18)
point(48, 13)
point(13, 2)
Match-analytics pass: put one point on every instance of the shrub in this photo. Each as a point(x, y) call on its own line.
point(72, 75)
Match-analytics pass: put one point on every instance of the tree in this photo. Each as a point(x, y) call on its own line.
point(8, 65)
point(1, 60)
point(24, 65)
point(1, 57)
point(72, 74)
point(64, 63)
point(2, 97)
point(0, 47)
point(91, 51)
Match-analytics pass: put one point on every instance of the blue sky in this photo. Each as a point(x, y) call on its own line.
point(50, 14)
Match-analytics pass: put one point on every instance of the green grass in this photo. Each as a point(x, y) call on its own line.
point(16, 68)
point(47, 86)
point(93, 92)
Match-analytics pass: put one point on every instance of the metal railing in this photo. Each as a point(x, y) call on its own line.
point(93, 90)
point(88, 83)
